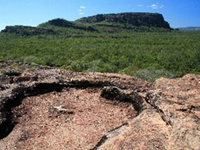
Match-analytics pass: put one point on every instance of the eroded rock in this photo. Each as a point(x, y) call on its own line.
point(98, 111)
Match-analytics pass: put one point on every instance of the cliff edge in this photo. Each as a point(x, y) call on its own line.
point(136, 19)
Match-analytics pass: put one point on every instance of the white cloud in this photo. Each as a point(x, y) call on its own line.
point(140, 5)
point(156, 6)
point(81, 10)
point(82, 7)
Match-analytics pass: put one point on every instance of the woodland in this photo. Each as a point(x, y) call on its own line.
point(147, 52)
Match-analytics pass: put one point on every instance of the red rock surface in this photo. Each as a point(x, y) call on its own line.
point(57, 109)
point(173, 121)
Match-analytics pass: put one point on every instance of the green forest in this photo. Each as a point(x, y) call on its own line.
point(144, 52)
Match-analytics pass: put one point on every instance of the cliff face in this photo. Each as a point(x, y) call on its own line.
point(57, 109)
point(136, 19)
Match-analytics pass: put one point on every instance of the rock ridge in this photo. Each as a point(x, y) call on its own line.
point(136, 19)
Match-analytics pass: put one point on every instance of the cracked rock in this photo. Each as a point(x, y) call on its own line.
point(98, 111)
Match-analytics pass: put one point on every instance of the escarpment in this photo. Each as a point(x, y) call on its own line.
point(136, 19)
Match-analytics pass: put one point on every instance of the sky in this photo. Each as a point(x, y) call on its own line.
point(179, 13)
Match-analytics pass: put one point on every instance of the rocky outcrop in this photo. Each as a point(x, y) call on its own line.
point(45, 28)
point(27, 30)
point(136, 19)
point(61, 23)
point(68, 24)
point(139, 22)
point(53, 108)
point(172, 121)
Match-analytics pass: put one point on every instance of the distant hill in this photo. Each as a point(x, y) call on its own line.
point(189, 28)
point(136, 19)
point(27, 30)
point(99, 23)
point(45, 28)
point(64, 23)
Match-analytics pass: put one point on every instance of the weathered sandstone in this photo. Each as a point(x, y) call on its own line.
point(57, 109)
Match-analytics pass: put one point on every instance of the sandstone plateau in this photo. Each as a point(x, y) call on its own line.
point(58, 109)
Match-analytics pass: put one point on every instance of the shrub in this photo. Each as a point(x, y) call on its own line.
point(78, 66)
point(48, 60)
point(94, 66)
point(151, 74)
point(31, 59)
point(109, 68)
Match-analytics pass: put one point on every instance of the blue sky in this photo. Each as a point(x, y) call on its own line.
point(179, 13)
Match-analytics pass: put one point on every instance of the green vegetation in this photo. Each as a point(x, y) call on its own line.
point(148, 53)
